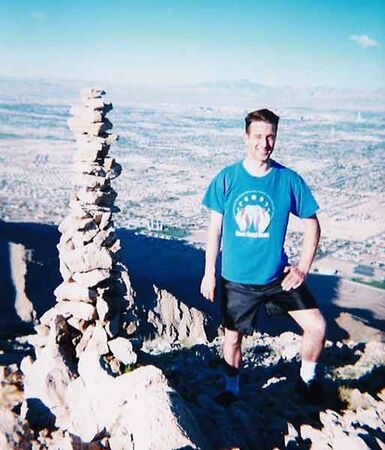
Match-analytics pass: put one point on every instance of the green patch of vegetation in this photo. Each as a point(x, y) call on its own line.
point(174, 232)
point(373, 283)
point(131, 367)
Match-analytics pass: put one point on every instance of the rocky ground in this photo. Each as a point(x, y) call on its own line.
point(269, 413)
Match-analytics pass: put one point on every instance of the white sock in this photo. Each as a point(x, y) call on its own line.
point(307, 371)
point(232, 384)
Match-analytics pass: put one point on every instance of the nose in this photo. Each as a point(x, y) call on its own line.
point(263, 143)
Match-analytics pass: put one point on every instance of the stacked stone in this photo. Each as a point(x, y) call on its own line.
point(95, 291)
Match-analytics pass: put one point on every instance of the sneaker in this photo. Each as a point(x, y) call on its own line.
point(312, 391)
point(226, 398)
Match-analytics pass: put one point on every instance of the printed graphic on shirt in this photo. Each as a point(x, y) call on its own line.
point(253, 211)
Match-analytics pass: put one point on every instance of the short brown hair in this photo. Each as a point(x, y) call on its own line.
point(261, 115)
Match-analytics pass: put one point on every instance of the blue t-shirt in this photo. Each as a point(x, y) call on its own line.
point(255, 217)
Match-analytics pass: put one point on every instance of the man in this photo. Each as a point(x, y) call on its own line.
point(250, 202)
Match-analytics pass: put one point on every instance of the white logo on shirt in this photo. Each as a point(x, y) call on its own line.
point(253, 211)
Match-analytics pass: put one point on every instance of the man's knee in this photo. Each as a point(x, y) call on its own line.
point(317, 327)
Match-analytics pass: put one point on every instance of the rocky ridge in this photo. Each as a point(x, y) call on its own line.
point(268, 415)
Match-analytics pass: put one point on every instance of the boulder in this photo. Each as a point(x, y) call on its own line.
point(96, 103)
point(87, 115)
point(92, 278)
point(122, 349)
point(97, 197)
point(87, 258)
point(72, 291)
point(80, 310)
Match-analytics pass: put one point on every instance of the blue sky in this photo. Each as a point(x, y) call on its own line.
point(278, 42)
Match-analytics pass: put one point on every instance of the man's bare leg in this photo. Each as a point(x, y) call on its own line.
point(232, 348)
point(313, 339)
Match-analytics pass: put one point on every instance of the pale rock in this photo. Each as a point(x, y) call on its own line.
point(7, 425)
point(174, 321)
point(105, 221)
point(93, 129)
point(43, 330)
point(79, 324)
point(102, 208)
point(87, 115)
point(374, 353)
point(111, 139)
point(48, 317)
point(121, 442)
point(37, 340)
point(287, 345)
point(88, 93)
point(92, 278)
point(92, 181)
point(90, 139)
point(342, 441)
point(82, 344)
point(330, 420)
point(79, 418)
point(4, 442)
point(158, 417)
point(47, 378)
point(19, 256)
point(105, 237)
point(115, 366)
point(65, 241)
point(72, 291)
point(122, 349)
point(102, 198)
point(89, 168)
point(89, 155)
point(130, 328)
point(103, 390)
point(70, 224)
point(80, 310)
point(82, 238)
point(99, 146)
point(98, 340)
point(97, 103)
point(77, 212)
point(101, 308)
point(64, 271)
point(87, 258)
point(318, 438)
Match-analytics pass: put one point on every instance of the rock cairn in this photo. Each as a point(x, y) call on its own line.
point(76, 383)
point(95, 296)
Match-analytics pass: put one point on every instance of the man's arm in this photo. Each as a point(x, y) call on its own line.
point(296, 274)
point(212, 249)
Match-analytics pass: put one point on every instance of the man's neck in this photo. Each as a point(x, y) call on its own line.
point(257, 168)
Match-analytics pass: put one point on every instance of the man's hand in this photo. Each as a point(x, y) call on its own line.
point(208, 286)
point(294, 278)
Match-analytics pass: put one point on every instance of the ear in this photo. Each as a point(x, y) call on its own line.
point(245, 138)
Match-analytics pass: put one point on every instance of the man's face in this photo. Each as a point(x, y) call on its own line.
point(260, 141)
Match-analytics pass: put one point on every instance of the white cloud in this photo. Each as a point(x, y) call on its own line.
point(38, 15)
point(363, 40)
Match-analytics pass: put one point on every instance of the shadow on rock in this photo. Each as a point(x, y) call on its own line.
point(29, 275)
point(171, 266)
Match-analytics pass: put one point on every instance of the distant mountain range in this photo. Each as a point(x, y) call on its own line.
point(243, 94)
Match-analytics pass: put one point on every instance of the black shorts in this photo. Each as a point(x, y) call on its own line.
point(241, 302)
